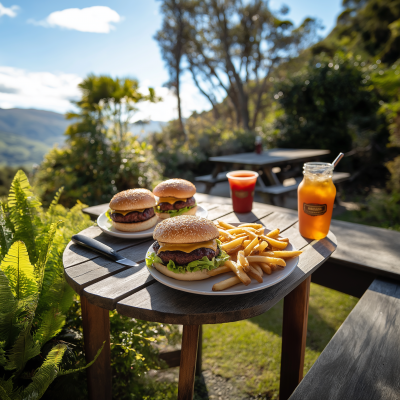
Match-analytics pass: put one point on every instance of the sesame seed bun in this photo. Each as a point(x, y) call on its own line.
point(179, 188)
point(133, 199)
point(185, 229)
point(186, 276)
point(192, 211)
point(135, 226)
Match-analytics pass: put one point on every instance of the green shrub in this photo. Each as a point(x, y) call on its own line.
point(34, 296)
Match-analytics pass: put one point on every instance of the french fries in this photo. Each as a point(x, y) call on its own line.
point(252, 253)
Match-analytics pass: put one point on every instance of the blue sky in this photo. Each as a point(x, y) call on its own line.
point(46, 49)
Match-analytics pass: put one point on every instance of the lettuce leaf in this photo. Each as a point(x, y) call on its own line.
point(108, 215)
point(197, 265)
point(174, 213)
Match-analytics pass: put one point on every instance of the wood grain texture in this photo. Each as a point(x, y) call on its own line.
point(96, 330)
point(107, 292)
point(361, 362)
point(375, 250)
point(253, 216)
point(190, 336)
point(294, 335)
point(159, 303)
point(90, 272)
point(282, 221)
point(199, 359)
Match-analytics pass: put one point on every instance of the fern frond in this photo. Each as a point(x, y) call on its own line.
point(19, 271)
point(5, 232)
point(23, 350)
point(7, 310)
point(55, 201)
point(3, 360)
point(7, 391)
point(23, 208)
point(44, 252)
point(51, 324)
point(46, 374)
point(71, 371)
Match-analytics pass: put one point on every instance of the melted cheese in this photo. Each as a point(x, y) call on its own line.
point(187, 248)
point(170, 200)
point(124, 212)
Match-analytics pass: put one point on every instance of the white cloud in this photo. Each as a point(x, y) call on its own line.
point(10, 12)
point(48, 91)
point(97, 19)
point(41, 90)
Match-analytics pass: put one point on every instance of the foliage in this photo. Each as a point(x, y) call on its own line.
point(7, 174)
point(101, 156)
point(206, 138)
point(329, 105)
point(228, 44)
point(34, 296)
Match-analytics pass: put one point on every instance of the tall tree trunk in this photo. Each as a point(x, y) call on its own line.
point(178, 95)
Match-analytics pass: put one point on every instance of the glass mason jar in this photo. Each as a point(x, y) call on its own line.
point(316, 195)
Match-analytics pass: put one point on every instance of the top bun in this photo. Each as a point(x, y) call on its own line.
point(185, 229)
point(132, 199)
point(179, 188)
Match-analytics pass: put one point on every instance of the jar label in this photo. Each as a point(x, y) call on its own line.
point(314, 209)
point(242, 194)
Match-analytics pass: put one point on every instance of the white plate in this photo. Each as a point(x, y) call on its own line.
point(205, 286)
point(106, 226)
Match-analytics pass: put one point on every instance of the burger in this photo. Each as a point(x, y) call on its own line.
point(186, 248)
point(133, 210)
point(175, 198)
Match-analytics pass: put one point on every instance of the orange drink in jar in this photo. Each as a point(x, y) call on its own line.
point(316, 195)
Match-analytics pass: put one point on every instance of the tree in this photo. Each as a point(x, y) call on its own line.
point(101, 156)
point(330, 105)
point(232, 47)
point(172, 38)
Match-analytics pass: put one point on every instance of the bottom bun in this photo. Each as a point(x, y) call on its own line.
point(187, 276)
point(192, 211)
point(135, 226)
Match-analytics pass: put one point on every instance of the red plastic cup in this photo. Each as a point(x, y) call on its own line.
point(242, 185)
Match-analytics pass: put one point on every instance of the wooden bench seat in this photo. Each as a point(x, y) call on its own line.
point(211, 181)
point(362, 361)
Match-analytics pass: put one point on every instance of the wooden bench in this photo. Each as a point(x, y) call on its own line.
point(362, 361)
point(210, 180)
point(275, 194)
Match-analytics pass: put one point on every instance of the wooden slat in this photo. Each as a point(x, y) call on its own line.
point(219, 211)
point(281, 221)
point(253, 216)
point(162, 304)
point(90, 272)
point(361, 362)
point(374, 250)
point(108, 291)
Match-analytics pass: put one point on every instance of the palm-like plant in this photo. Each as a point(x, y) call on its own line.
point(34, 296)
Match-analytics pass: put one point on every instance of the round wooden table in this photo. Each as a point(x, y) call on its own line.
point(106, 285)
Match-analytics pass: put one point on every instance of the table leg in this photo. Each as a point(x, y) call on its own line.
point(294, 334)
point(96, 330)
point(199, 352)
point(187, 369)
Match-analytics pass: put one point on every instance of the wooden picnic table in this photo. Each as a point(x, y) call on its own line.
point(267, 160)
point(105, 285)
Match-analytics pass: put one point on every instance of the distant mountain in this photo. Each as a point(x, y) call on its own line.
point(44, 126)
point(26, 135)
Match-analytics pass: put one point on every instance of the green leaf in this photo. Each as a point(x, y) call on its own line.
point(8, 308)
point(7, 390)
point(46, 373)
point(19, 272)
point(71, 371)
point(197, 265)
point(23, 208)
point(51, 324)
point(55, 201)
point(5, 231)
point(174, 213)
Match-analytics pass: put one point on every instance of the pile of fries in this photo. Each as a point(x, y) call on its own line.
point(252, 253)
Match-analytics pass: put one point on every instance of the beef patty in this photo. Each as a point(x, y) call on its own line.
point(133, 216)
point(177, 205)
point(182, 258)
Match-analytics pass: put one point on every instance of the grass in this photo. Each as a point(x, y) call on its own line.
point(248, 352)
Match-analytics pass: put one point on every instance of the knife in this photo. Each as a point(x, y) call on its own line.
point(102, 249)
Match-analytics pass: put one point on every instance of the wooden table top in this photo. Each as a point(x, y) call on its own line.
point(272, 157)
point(134, 293)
